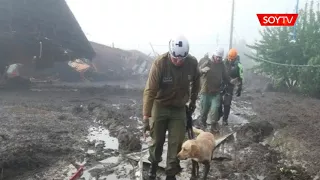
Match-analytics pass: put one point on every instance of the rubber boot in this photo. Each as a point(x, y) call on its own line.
point(225, 122)
point(220, 111)
point(203, 124)
point(171, 178)
point(226, 112)
point(214, 127)
point(153, 171)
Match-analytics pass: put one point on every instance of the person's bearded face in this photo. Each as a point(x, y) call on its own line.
point(177, 61)
point(216, 59)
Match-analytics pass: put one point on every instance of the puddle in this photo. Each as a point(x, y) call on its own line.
point(101, 134)
point(117, 168)
point(233, 120)
point(116, 106)
point(243, 108)
point(134, 118)
point(52, 89)
point(110, 170)
point(110, 160)
point(111, 177)
point(260, 177)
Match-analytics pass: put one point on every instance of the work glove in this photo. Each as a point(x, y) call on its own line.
point(223, 89)
point(192, 107)
point(205, 69)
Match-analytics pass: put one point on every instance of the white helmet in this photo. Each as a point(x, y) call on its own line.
point(179, 47)
point(219, 52)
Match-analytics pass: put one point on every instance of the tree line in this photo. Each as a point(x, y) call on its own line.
point(292, 63)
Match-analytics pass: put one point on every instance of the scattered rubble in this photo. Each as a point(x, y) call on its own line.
point(120, 64)
point(47, 134)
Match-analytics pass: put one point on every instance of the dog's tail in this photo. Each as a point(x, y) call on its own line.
point(197, 131)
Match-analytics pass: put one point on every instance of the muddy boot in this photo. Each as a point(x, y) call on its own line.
point(226, 115)
point(153, 172)
point(220, 112)
point(214, 127)
point(171, 178)
point(225, 122)
point(202, 124)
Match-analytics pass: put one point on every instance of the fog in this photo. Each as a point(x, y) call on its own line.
point(135, 24)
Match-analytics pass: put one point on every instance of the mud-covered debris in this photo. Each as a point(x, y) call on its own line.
point(268, 88)
point(99, 169)
point(100, 144)
point(113, 124)
point(222, 157)
point(289, 173)
point(93, 106)
point(258, 91)
point(128, 142)
point(18, 83)
point(77, 109)
point(91, 143)
point(257, 159)
point(253, 132)
point(3, 137)
point(62, 117)
point(103, 113)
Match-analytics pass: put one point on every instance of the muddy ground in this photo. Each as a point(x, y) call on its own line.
point(46, 128)
point(296, 122)
point(48, 131)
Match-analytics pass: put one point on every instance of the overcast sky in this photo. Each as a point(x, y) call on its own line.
point(132, 24)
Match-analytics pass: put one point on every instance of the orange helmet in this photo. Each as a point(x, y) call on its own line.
point(232, 54)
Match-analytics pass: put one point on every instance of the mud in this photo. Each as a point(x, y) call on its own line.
point(253, 132)
point(48, 131)
point(44, 131)
point(295, 119)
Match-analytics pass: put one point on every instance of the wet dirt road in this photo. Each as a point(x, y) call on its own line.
point(47, 132)
point(43, 131)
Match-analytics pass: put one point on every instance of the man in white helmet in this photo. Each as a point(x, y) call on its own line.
point(165, 97)
point(213, 72)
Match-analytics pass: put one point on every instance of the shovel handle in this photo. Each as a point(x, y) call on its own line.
point(78, 174)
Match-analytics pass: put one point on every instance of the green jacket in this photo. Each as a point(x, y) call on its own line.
point(235, 70)
point(169, 85)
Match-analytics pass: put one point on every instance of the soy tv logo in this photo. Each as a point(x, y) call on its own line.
point(277, 19)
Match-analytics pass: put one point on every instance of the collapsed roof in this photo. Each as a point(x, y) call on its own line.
point(26, 23)
point(119, 60)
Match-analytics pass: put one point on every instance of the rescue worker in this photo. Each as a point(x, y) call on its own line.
point(165, 97)
point(235, 72)
point(212, 74)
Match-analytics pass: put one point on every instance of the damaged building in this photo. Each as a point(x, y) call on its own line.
point(120, 64)
point(41, 35)
point(46, 39)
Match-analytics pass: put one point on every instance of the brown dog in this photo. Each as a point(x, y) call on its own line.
point(200, 151)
